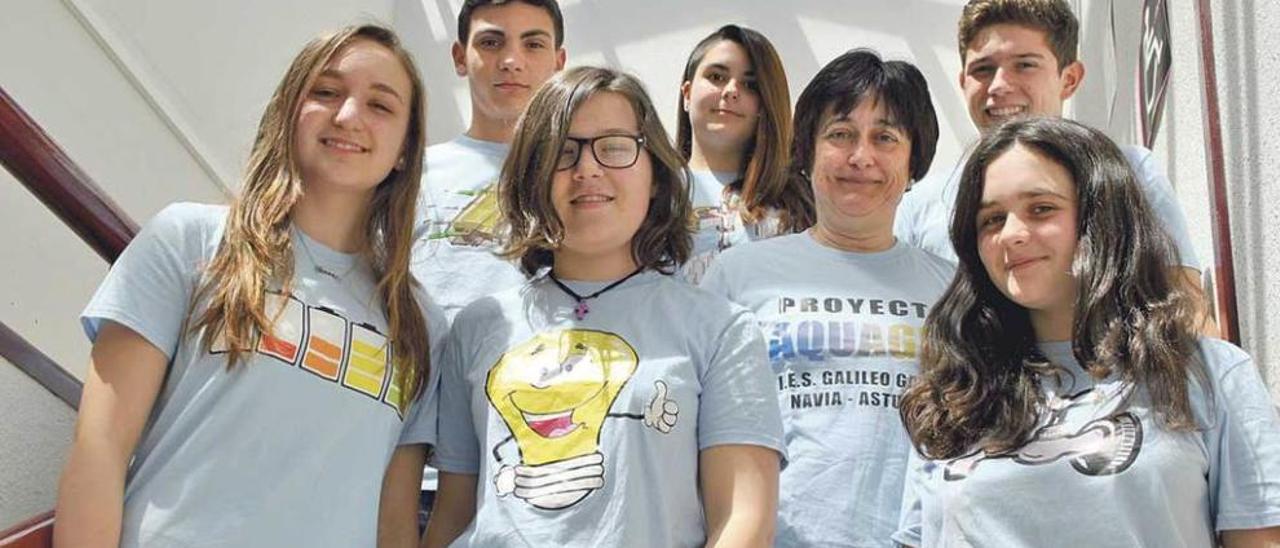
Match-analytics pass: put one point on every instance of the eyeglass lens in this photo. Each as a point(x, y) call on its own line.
point(611, 151)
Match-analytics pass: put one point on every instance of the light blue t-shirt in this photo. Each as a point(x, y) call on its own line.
point(843, 331)
point(458, 219)
point(1095, 474)
point(588, 432)
point(924, 216)
point(287, 449)
point(720, 226)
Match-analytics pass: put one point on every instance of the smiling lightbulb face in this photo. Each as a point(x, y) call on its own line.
point(554, 390)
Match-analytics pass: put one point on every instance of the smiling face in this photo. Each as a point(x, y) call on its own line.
point(1010, 70)
point(601, 208)
point(555, 389)
point(352, 120)
point(510, 52)
point(722, 99)
point(861, 166)
point(1027, 232)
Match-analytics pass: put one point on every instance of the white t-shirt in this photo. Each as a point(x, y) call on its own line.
point(1101, 476)
point(456, 235)
point(287, 449)
point(843, 331)
point(924, 216)
point(588, 432)
point(720, 226)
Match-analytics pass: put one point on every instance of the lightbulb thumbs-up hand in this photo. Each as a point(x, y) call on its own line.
point(661, 413)
point(553, 485)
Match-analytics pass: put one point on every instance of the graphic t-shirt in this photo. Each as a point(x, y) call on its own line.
point(718, 209)
point(924, 216)
point(456, 235)
point(1101, 475)
point(288, 448)
point(843, 331)
point(588, 432)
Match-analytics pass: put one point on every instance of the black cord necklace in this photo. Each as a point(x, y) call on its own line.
point(581, 309)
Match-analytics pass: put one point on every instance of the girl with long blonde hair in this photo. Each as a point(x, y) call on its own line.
point(253, 366)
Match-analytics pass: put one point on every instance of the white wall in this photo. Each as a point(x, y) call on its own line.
point(1248, 72)
point(36, 429)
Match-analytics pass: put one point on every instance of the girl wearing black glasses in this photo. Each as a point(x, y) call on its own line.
point(603, 403)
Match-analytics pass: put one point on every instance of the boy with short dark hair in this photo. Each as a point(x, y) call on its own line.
point(506, 49)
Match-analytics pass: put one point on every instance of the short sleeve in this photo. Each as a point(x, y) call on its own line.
point(1244, 442)
point(715, 279)
point(1164, 203)
point(904, 219)
point(739, 404)
point(458, 447)
point(421, 426)
point(911, 517)
point(149, 288)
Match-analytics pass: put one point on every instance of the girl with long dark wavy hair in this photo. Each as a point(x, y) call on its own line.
point(1066, 398)
point(253, 366)
point(603, 403)
point(733, 127)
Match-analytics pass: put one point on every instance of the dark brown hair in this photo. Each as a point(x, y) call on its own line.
point(763, 183)
point(1052, 17)
point(980, 384)
point(552, 8)
point(534, 230)
point(860, 75)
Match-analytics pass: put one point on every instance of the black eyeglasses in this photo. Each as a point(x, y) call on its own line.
point(611, 151)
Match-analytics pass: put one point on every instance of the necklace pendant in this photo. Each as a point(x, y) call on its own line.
point(580, 310)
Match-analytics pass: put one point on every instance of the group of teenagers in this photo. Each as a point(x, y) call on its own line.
point(772, 330)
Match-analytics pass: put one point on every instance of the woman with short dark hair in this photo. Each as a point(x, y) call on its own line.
point(842, 303)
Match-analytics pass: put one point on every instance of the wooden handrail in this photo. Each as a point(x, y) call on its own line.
point(36, 532)
point(40, 367)
point(31, 156)
point(48, 173)
point(1224, 260)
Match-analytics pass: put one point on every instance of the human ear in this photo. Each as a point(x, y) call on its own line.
point(459, 54)
point(1072, 76)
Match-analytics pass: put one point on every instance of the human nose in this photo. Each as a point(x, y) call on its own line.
point(348, 113)
point(861, 156)
point(1014, 231)
point(999, 82)
point(512, 58)
point(731, 89)
point(587, 165)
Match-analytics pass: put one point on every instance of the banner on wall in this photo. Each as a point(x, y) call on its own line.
point(1153, 66)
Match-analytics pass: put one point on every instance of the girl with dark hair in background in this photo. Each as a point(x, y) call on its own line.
point(1066, 398)
point(734, 129)
point(842, 303)
point(603, 403)
point(252, 366)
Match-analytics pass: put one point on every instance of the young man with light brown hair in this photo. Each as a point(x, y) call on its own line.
point(1019, 58)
